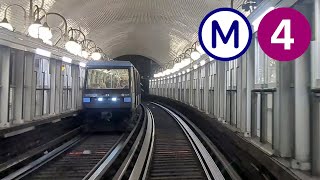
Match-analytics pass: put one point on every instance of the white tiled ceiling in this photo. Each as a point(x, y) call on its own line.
point(158, 29)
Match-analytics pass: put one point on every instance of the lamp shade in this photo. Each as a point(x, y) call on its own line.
point(84, 54)
point(5, 24)
point(45, 32)
point(96, 56)
point(73, 47)
point(195, 55)
point(33, 29)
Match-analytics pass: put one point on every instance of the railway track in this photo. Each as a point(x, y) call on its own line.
point(79, 160)
point(91, 156)
point(174, 148)
point(162, 145)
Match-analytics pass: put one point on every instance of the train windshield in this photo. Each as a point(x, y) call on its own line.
point(108, 79)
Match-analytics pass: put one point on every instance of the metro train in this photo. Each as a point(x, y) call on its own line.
point(111, 94)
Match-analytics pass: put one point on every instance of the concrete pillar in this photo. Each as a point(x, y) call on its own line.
point(29, 90)
point(206, 88)
point(59, 87)
point(5, 87)
point(222, 90)
point(302, 123)
point(19, 83)
point(302, 113)
point(247, 87)
point(316, 106)
point(52, 85)
point(283, 111)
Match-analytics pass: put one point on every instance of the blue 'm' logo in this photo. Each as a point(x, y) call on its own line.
point(216, 28)
point(236, 38)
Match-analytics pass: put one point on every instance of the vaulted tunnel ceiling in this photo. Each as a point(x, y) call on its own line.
point(157, 29)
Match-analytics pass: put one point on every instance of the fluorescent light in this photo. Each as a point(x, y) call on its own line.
point(82, 64)
point(202, 62)
point(257, 21)
point(100, 99)
point(66, 59)
point(114, 99)
point(43, 52)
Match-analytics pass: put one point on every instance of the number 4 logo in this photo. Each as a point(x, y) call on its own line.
point(287, 40)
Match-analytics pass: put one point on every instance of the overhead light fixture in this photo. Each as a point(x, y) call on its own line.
point(5, 24)
point(188, 70)
point(33, 29)
point(85, 54)
point(195, 66)
point(114, 99)
point(183, 72)
point(195, 55)
point(73, 47)
point(82, 64)
point(96, 56)
point(66, 59)
point(45, 32)
point(43, 52)
point(100, 99)
point(211, 59)
point(202, 62)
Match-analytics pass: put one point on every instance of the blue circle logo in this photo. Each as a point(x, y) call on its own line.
point(225, 34)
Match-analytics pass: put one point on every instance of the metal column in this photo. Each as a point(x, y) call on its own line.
point(5, 87)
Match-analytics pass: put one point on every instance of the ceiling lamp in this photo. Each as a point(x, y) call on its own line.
point(195, 66)
point(73, 47)
point(96, 56)
point(5, 24)
point(84, 54)
point(195, 55)
point(33, 29)
point(45, 32)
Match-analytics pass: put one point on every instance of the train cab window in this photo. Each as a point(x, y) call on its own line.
point(108, 79)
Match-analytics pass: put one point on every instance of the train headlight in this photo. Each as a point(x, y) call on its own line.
point(127, 99)
point(100, 99)
point(86, 100)
point(114, 99)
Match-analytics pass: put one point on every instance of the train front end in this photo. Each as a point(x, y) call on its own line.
point(107, 96)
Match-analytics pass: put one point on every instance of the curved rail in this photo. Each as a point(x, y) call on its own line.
point(212, 162)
